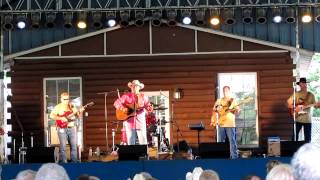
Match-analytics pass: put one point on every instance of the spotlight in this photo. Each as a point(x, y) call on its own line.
point(171, 16)
point(139, 16)
point(68, 18)
point(290, 12)
point(35, 20)
point(317, 14)
point(156, 18)
point(306, 15)
point(82, 17)
point(247, 16)
point(125, 17)
point(276, 13)
point(186, 17)
point(200, 17)
point(228, 16)
point(7, 22)
point(21, 21)
point(96, 20)
point(215, 19)
point(111, 19)
point(50, 17)
point(261, 15)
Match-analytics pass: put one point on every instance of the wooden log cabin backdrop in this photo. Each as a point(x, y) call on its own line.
point(180, 57)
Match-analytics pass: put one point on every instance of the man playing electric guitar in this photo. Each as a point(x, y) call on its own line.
point(67, 129)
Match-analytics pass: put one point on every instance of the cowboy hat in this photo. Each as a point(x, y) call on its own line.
point(302, 80)
point(136, 83)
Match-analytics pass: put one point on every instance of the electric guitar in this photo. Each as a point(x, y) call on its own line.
point(122, 115)
point(70, 116)
point(299, 109)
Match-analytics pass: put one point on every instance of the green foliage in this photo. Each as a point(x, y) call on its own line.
point(314, 76)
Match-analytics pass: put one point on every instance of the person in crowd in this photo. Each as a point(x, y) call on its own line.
point(272, 163)
point(209, 174)
point(51, 171)
point(87, 177)
point(27, 174)
point(252, 177)
point(281, 171)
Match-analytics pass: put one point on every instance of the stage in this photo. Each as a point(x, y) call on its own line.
point(160, 169)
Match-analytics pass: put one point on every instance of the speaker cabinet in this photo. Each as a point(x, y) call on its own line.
point(288, 148)
point(40, 155)
point(214, 150)
point(132, 152)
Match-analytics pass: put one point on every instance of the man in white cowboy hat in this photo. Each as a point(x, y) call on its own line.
point(300, 106)
point(134, 106)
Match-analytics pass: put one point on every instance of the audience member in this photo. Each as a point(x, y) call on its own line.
point(281, 171)
point(143, 176)
point(27, 174)
point(209, 174)
point(87, 177)
point(271, 164)
point(305, 162)
point(51, 171)
point(189, 176)
point(252, 177)
point(196, 173)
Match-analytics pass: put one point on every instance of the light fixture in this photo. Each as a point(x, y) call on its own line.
point(200, 17)
point(290, 15)
point(261, 15)
point(111, 19)
point(247, 16)
point(214, 17)
point(228, 16)
point(7, 22)
point(317, 14)
point(178, 93)
point(68, 18)
point(171, 16)
point(139, 18)
point(276, 15)
point(82, 18)
point(186, 16)
point(96, 20)
point(50, 17)
point(35, 20)
point(21, 21)
point(306, 14)
point(156, 17)
point(124, 18)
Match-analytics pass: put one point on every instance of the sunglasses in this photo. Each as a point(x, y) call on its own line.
point(65, 99)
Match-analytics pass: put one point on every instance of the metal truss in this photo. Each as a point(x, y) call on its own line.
point(25, 6)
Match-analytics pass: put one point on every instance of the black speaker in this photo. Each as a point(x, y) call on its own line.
point(40, 155)
point(132, 152)
point(214, 150)
point(183, 146)
point(288, 148)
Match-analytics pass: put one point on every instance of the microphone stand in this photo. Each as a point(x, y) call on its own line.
point(294, 113)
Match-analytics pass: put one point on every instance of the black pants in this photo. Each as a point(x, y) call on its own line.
point(306, 129)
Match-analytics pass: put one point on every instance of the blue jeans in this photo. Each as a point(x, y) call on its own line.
point(232, 136)
point(67, 134)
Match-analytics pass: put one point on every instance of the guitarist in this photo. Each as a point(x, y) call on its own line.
point(134, 104)
point(303, 98)
point(60, 114)
point(224, 111)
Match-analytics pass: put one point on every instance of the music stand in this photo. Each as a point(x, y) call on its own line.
point(199, 127)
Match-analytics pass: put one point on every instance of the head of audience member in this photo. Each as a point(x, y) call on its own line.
point(27, 174)
point(51, 171)
point(252, 177)
point(143, 176)
point(189, 176)
point(281, 171)
point(305, 162)
point(196, 172)
point(87, 177)
point(271, 164)
point(209, 174)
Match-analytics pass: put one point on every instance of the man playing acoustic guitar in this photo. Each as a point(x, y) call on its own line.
point(131, 108)
point(64, 114)
point(301, 108)
point(224, 111)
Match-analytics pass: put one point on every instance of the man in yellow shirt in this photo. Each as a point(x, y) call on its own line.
point(224, 114)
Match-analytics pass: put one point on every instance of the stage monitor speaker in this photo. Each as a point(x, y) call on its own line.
point(183, 146)
point(132, 152)
point(40, 154)
point(288, 148)
point(214, 150)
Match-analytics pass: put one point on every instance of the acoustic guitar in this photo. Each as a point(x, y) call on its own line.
point(224, 109)
point(125, 115)
point(70, 116)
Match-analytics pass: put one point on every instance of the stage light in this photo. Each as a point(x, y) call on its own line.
point(96, 20)
point(214, 17)
point(290, 12)
point(200, 17)
point(306, 15)
point(228, 16)
point(125, 18)
point(156, 18)
point(247, 16)
point(35, 20)
point(21, 21)
point(171, 16)
point(68, 18)
point(186, 17)
point(50, 17)
point(276, 15)
point(317, 14)
point(7, 23)
point(82, 17)
point(111, 19)
point(261, 15)
point(139, 16)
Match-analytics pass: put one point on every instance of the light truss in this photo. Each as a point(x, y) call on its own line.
point(25, 6)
